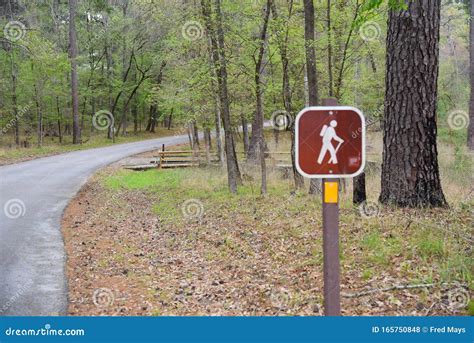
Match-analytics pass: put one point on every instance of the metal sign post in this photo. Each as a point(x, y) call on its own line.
point(330, 144)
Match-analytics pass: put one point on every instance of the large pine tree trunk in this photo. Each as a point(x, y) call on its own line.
point(410, 174)
point(470, 130)
point(76, 132)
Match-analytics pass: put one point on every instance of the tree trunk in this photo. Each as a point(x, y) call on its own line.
point(14, 96)
point(190, 138)
point(311, 68)
point(217, 113)
point(263, 168)
point(153, 118)
point(310, 52)
point(410, 174)
point(286, 89)
point(358, 192)
point(207, 143)
point(218, 122)
point(195, 135)
point(170, 119)
point(470, 130)
point(135, 116)
point(257, 138)
point(344, 55)
point(329, 31)
point(209, 137)
point(245, 133)
point(76, 132)
point(109, 61)
point(39, 115)
point(220, 65)
point(60, 134)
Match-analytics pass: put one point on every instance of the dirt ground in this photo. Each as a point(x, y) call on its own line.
point(123, 259)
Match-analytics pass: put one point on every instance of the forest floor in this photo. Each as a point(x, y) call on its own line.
point(51, 146)
point(175, 242)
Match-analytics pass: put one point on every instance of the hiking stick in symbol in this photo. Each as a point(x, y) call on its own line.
point(329, 134)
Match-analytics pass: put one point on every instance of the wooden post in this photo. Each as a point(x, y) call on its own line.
point(162, 156)
point(330, 201)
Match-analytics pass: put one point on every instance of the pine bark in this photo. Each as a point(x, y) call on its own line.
point(410, 173)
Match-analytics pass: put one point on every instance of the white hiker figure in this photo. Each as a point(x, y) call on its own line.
point(329, 133)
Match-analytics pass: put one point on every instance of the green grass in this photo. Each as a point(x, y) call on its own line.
point(380, 239)
point(411, 245)
point(454, 137)
point(429, 246)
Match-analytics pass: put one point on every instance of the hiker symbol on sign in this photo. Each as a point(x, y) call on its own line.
point(329, 134)
point(330, 142)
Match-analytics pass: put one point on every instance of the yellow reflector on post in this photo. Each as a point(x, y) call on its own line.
point(331, 192)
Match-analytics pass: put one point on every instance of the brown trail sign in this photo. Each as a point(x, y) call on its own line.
point(330, 144)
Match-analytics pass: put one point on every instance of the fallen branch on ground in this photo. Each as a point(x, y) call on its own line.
point(397, 287)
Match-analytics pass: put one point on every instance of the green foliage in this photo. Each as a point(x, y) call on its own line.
point(151, 37)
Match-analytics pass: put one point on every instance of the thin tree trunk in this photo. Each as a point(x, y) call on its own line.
point(13, 73)
point(217, 113)
point(209, 137)
point(135, 116)
point(410, 173)
point(76, 132)
point(470, 130)
point(59, 120)
point(329, 31)
point(245, 133)
point(286, 89)
point(257, 138)
point(108, 56)
point(39, 115)
point(207, 143)
point(190, 136)
point(170, 118)
point(340, 76)
point(220, 64)
point(263, 168)
point(310, 52)
point(311, 73)
point(218, 122)
point(195, 132)
point(14, 95)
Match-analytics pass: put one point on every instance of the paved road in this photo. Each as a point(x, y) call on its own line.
point(33, 196)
